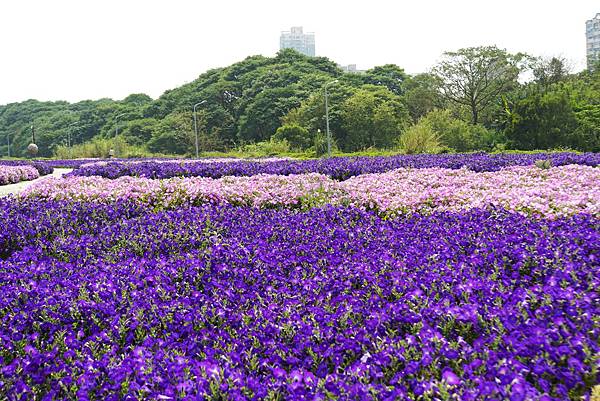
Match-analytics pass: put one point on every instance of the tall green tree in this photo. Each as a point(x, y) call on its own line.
point(296, 135)
point(476, 77)
point(261, 118)
point(457, 134)
point(311, 113)
point(550, 71)
point(140, 131)
point(422, 95)
point(542, 121)
point(174, 135)
point(372, 117)
point(390, 75)
point(587, 134)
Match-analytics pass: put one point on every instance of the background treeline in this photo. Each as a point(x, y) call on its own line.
point(475, 99)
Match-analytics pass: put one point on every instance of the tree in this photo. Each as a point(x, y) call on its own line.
point(390, 75)
point(372, 117)
point(244, 103)
point(138, 132)
point(261, 118)
point(550, 71)
point(542, 121)
point(588, 131)
point(297, 136)
point(174, 135)
point(452, 132)
point(311, 113)
point(459, 135)
point(420, 138)
point(476, 77)
point(137, 99)
point(422, 95)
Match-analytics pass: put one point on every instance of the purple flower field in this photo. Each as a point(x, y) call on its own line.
point(121, 299)
point(339, 168)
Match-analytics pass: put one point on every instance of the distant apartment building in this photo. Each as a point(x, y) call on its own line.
point(351, 68)
point(592, 34)
point(298, 40)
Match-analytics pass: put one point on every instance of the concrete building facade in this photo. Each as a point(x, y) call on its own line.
point(298, 40)
point(351, 68)
point(592, 34)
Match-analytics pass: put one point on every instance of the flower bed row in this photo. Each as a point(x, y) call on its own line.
point(220, 302)
point(14, 174)
point(43, 168)
point(99, 162)
point(339, 168)
point(557, 191)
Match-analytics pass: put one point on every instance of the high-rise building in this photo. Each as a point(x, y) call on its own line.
point(351, 68)
point(592, 34)
point(297, 40)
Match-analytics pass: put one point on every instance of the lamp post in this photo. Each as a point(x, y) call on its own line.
point(196, 124)
point(8, 143)
point(32, 148)
point(327, 116)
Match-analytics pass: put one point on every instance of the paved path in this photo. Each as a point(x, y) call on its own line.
point(20, 186)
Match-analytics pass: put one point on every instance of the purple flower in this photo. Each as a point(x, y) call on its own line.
point(449, 377)
point(126, 301)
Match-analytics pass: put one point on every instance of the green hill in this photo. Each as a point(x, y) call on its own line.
point(244, 104)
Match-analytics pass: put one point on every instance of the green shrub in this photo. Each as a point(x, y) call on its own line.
point(320, 144)
point(271, 147)
point(458, 134)
point(297, 136)
point(420, 138)
point(100, 148)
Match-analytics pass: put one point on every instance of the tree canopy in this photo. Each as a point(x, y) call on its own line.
point(474, 77)
point(472, 100)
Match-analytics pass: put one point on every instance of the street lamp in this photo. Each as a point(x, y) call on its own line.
point(8, 143)
point(196, 124)
point(32, 148)
point(327, 116)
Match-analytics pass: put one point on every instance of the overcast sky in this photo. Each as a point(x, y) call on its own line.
point(87, 49)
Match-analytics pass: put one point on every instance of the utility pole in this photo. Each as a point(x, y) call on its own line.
point(327, 117)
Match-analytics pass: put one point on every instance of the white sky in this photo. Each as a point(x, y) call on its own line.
point(87, 49)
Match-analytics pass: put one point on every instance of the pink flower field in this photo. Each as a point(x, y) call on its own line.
point(558, 191)
point(14, 174)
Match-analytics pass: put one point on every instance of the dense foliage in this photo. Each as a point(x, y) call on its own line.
point(58, 123)
point(244, 103)
point(476, 95)
point(549, 113)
